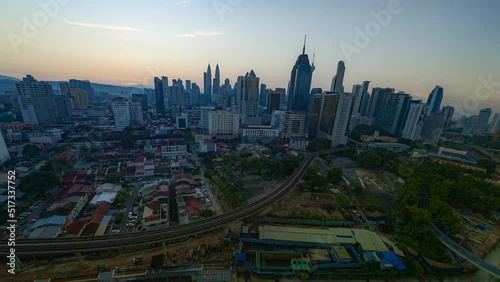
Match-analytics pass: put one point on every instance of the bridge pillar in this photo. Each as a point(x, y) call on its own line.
point(79, 257)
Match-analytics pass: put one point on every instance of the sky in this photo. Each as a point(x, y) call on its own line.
point(408, 45)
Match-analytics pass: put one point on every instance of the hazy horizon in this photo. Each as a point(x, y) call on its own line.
point(423, 44)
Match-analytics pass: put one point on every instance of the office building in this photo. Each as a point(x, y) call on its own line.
point(121, 113)
point(207, 85)
point(136, 114)
point(177, 95)
point(393, 113)
point(63, 105)
point(415, 120)
point(85, 85)
point(223, 125)
point(294, 124)
point(248, 89)
point(64, 88)
point(181, 121)
point(482, 121)
point(273, 101)
point(433, 126)
point(37, 101)
point(376, 101)
point(80, 98)
point(216, 85)
point(334, 117)
point(204, 110)
point(143, 99)
point(159, 96)
point(263, 95)
point(315, 111)
point(338, 79)
point(495, 124)
point(166, 92)
point(434, 100)
point(300, 83)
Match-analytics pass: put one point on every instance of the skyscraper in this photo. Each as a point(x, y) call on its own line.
point(377, 99)
point(204, 110)
point(300, 83)
point(263, 95)
point(334, 117)
point(85, 85)
point(37, 101)
point(415, 120)
point(159, 96)
point(249, 95)
point(80, 97)
point(394, 110)
point(167, 96)
point(315, 111)
point(282, 92)
point(434, 100)
point(338, 79)
point(482, 121)
point(273, 101)
point(216, 85)
point(448, 112)
point(64, 87)
point(207, 86)
point(136, 115)
point(495, 124)
point(143, 99)
point(177, 95)
point(121, 112)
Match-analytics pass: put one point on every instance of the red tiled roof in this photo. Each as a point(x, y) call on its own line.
point(75, 227)
point(209, 141)
point(183, 175)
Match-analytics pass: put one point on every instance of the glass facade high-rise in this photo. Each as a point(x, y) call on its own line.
point(434, 100)
point(300, 83)
point(160, 96)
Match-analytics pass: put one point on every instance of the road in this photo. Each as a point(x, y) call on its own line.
point(216, 206)
point(106, 242)
point(130, 205)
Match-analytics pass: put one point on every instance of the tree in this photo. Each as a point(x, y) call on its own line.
point(334, 175)
point(119, 217)
point(61, 148)
point(488, 164)
point(319, 144)
point(38, 182)
point(31, 151)
point(206, 213)
point(113, 177)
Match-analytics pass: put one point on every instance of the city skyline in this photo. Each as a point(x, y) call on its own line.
point(127, 50)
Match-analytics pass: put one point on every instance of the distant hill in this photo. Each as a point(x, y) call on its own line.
point(4, 77)
point(8, 83)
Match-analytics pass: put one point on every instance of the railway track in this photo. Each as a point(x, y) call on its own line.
point(86, 244)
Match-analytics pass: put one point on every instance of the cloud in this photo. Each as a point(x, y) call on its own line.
point(103, 26)
point(200, 34)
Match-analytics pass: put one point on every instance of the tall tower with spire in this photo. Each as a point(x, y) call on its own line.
point(300, 82)
point(216, 85)
point(207, 85)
